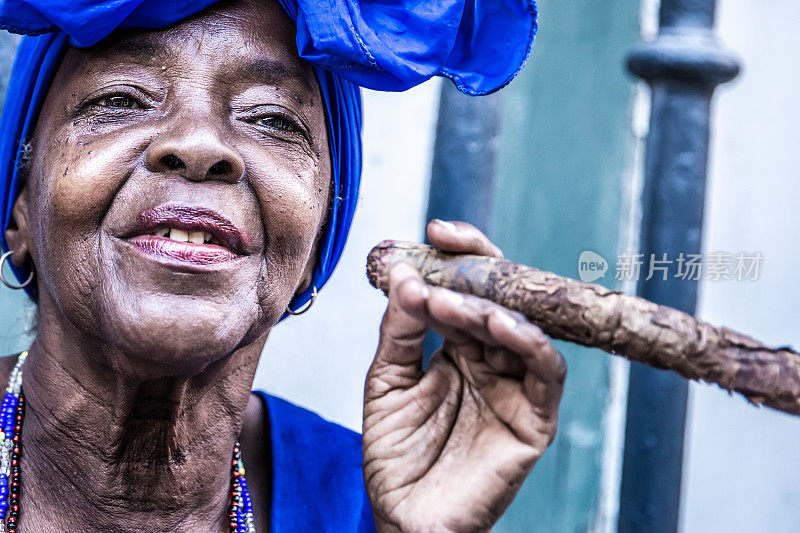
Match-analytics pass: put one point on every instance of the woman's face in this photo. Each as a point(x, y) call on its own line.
point(210, 132)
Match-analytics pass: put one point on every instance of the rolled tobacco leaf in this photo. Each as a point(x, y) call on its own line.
point(591, 315)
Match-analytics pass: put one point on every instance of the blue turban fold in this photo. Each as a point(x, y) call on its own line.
point(383, 45)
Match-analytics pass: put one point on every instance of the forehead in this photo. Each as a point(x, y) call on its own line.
point(243, 38)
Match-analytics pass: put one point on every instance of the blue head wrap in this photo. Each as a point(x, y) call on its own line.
point(390, 46)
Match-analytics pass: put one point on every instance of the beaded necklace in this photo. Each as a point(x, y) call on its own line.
point(12, 414)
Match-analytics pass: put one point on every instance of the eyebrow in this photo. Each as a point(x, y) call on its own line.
point(271, 71)
point(134, 48)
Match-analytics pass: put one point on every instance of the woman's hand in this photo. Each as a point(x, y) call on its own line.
point(448, 448)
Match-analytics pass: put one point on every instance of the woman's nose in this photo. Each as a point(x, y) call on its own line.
point(198, 155)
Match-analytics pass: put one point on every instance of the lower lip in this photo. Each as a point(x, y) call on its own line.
point(183, 252)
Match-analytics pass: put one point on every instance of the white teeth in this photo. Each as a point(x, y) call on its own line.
point(178, 235)
point(196, 237)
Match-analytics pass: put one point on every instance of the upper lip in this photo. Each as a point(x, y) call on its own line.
point(194, 218)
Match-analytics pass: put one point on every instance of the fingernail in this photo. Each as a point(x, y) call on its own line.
point(449, 226)
point(506, 319)
point(453, 298)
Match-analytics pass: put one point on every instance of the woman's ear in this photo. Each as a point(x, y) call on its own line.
point(17, 234)
point(305, 280)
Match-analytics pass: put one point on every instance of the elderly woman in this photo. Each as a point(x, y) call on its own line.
point(179, 177)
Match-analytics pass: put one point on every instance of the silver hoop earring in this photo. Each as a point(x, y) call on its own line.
point(308, 305)
point(3, 278)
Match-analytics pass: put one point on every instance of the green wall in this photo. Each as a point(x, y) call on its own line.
point(565, 146)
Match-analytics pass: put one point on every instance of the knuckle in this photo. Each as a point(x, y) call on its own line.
point(560, 368)
point(397, 333)
point(476, 303)
point(552, 432)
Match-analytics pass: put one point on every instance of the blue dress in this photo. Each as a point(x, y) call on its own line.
point(317, 480)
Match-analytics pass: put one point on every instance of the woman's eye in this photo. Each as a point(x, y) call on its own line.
point(119, 101)
point(279, 123)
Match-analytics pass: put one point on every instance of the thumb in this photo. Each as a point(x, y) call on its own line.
point(398, 360)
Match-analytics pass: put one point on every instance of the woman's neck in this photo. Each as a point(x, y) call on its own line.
point(105, 450)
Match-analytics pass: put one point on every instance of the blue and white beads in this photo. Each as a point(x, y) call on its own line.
point(10, 415)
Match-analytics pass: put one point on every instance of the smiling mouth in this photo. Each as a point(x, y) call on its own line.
point(188, 235)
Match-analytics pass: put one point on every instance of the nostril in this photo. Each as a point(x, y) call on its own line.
point(172, 162)
point(220, 168)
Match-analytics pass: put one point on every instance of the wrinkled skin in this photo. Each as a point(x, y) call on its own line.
point(138, 382)
point(447, 449)
point(141, 371)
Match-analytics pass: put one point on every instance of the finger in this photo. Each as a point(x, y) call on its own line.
point(466, 314)
point(481, 364)
point(532, 421)
point(516, 350)
point(504, 362)
point(544, 374)
point(535, 349)
point(545, 396)
point(460, 237)
point(511, 344)
point(401, 333)
point(530, 407)
point(456, 317)
point(517, 371)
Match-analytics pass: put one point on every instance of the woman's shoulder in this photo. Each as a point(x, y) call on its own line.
point(303, 430)
point(317, 476)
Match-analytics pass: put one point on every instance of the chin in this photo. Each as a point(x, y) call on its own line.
point(167, 334)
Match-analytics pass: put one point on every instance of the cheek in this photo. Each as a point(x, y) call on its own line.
point(87, 177)
point(73, 185)
point(293, 193)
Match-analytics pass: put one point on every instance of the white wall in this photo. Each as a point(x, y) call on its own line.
point(319, 359)
point(742, 464)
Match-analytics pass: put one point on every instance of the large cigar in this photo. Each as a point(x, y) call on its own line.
point(591, 315)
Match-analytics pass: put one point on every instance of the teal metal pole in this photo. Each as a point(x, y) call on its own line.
point(683, 66)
